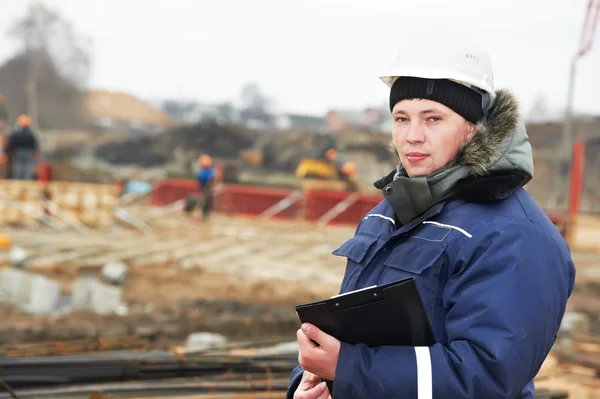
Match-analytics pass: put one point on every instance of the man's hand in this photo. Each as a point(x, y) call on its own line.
point(311, 387)
point(320, 358)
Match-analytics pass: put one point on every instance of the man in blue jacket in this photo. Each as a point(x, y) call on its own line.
point(206, 179)
point(22, 150)
point(493, 272)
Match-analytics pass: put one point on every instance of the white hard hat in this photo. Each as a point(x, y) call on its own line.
point(445, 56)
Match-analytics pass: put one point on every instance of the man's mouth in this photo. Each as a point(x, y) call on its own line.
point(414, 157)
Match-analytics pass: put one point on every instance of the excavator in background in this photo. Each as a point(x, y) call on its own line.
point(326, 168)
point(334, 166)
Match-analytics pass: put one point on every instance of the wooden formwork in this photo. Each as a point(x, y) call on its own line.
point(583, 233)
point(23, 202)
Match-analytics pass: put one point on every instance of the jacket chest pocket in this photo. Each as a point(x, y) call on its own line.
point(359, 250)
point(421, 259)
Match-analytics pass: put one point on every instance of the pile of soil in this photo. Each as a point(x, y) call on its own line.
point(224, 142)
point(140, 151)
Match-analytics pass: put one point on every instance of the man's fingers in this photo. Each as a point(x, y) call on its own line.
point(315, 334)
point(312, 377)
point(304, 341)
point(314, 392)
point(325, 394)
point(306, 347)
point(318, 392)
point(309, 380)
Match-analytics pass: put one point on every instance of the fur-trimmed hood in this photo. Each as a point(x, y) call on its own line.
point(493, 164)
point(501, 141)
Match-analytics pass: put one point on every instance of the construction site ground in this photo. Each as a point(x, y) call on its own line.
point(236, 276)
point(240, 277)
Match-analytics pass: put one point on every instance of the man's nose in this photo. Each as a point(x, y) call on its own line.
point(415, 133)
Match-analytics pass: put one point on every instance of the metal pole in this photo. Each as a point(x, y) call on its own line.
point(568, 125)
point(585, 44)
point(564, 156)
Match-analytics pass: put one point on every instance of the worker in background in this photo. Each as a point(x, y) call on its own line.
point(4, 167)
point(345, 169)
point(206, 180)
point(323, 142)
point(22, 150)
point(3, 143)
point(492, 270)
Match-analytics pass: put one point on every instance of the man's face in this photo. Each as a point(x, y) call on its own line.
point(428, 135)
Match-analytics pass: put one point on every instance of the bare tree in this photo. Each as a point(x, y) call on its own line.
point(255, 105)
point(253, 98)
point(539, 111)
point(226, 111)
point(179, 110)
point(50, 50)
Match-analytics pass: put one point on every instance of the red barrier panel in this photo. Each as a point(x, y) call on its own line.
point(168, 191)
point(370, 201)
point(233, 199)
point(252, 200)
point(319, 202)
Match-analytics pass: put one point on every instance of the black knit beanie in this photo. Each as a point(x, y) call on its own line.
point(464, 101)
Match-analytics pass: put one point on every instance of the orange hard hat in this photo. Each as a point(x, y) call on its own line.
point(331, 154)
point(5, 241)
point(24, 120)
point(349, 168)
point(205, 161)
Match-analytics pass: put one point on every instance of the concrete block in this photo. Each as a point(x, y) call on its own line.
point(43, 295)
point(115, 273)
point(12, 283)
point(106, 299)
point(18, 257)
point(82, 292)
point(32, 293)
point(204, 340)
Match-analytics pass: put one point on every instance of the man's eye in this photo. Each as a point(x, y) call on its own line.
point(435, 119)
point(401, 119)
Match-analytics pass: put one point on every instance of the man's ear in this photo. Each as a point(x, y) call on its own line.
point(472, 130)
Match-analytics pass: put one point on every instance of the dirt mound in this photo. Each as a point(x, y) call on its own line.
point(123, 107)
point(218, 140)
point(223, 142)
point(140, 151)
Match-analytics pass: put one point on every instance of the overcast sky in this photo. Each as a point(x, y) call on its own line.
point(312, 55)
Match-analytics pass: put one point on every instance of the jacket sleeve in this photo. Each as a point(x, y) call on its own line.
point(10, 144)
point(294, 381)
point(505, 299)
point(35, 144)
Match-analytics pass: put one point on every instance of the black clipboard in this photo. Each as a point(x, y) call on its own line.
point(388, 315)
